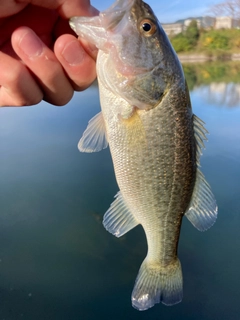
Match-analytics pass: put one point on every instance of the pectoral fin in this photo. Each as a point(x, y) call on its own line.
point(94, 137)
point(202, 211)
point(118, 220)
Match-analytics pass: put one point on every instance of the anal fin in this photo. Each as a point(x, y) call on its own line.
point(118, 219)
point(202, 211)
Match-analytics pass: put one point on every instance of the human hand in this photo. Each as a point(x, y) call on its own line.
point(40, 58)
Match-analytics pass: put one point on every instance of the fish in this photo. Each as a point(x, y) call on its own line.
point(155, 141)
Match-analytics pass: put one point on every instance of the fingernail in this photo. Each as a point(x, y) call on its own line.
point(73, 53)
point(31, 45)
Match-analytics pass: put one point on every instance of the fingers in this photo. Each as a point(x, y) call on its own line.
point(17, 86)
point(10, 7)
point(40, 73)
point(66, 8)
point(78, 65)
point(41, 76)
point(44, 65)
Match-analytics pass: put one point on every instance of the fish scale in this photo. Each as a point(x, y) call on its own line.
point(158, 152)
point(155, 142)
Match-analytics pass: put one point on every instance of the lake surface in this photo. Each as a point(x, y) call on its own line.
point(57, 262)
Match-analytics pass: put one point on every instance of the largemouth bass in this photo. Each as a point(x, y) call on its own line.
point(155, 141)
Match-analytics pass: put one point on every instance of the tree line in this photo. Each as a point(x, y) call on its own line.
point(210, 41)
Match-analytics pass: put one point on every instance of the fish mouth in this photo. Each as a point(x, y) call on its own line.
point(94, 29)
point(114, 14)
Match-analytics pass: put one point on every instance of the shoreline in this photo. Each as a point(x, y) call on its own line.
point(192, 58)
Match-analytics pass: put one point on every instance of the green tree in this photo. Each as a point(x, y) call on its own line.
point(215, 40)
point(192, 32)
point(187, 40)
point(181, 43)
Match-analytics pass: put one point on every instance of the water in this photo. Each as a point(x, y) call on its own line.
point(57, 262)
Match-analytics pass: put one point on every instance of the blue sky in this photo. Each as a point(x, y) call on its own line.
point(170, 10)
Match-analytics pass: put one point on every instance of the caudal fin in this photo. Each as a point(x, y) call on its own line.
point(156, 284)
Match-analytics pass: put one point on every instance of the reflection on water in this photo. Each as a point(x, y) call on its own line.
point(218, 83)
point(207, 73)
point(221, 94)
point(57, 261)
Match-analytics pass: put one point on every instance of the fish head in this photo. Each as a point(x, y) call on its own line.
point(136, 60)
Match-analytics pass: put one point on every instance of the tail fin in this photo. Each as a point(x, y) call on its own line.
point(156, 284)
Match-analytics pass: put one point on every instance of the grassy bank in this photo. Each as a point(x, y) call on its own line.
point(212, 43)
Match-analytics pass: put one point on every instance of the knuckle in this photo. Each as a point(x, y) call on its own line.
point(59, 99)
point(15, 76)
point(65, 99)
point(18, 98)
point(33, 100)
point(56, 86)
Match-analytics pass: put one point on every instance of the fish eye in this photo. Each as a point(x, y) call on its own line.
point(147, 27)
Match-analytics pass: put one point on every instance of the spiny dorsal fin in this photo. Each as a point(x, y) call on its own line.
point(118, 220)
point(94, 137)
point(200, 135)
point(202, 211)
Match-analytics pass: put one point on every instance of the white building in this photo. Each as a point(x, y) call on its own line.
point(172, 29)
point(226, 23)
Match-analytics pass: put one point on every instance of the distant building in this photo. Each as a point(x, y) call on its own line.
point(188, 21)
point(172, 29)
point(226, 23)
point(205, 22)
point(208, 22)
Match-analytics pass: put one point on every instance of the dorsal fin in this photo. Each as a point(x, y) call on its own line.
point(202, 211)
point(200, 136)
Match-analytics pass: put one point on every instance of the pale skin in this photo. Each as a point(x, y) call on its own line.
point(40, 57)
